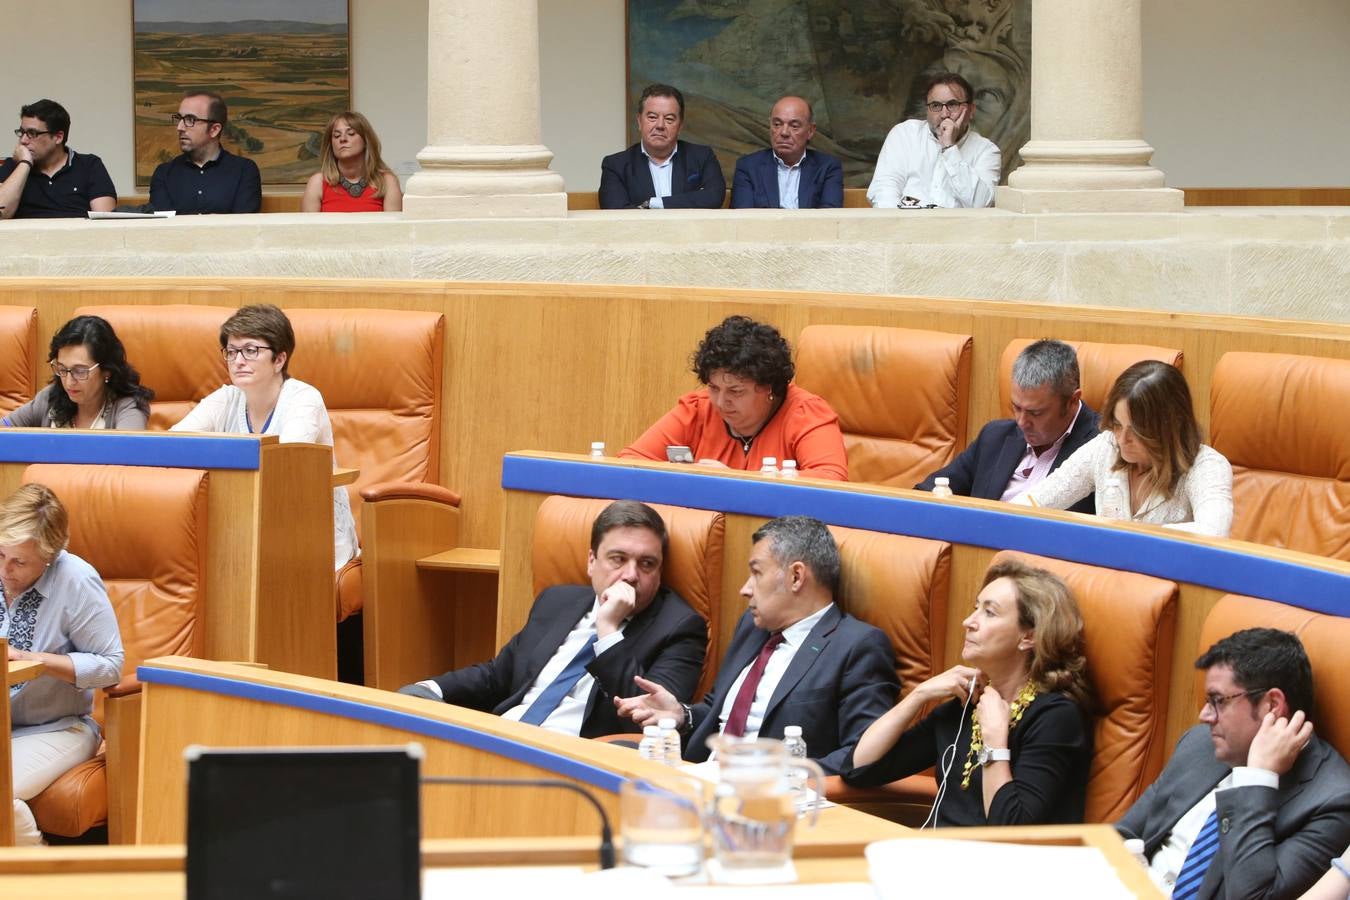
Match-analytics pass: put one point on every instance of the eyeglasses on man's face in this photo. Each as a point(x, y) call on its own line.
point(29, 133)
point(950, 106)
point(189, 120)
point(248, 351)
point(78, 373)
point(1217, 702)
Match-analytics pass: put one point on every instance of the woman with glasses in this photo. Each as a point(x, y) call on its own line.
point(257, 343)
point(1148, 464)
point(92, 386)
point(352, 176)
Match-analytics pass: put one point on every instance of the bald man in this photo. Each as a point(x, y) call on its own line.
point(787, 175)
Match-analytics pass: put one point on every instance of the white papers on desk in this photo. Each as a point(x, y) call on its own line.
point(162, 214)
point(933, 867)
point(571, 883)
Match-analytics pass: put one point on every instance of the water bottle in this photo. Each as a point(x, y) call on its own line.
point(653, 746)
point(796, 749)
point(769, 468)
point(942, 487)
point(598, 449)
point(1135, 847)
point(789, 469)
point(670, 737)
point(1111, 500)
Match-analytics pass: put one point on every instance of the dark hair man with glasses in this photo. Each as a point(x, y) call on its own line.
point(45, 179)
point(205, 178)
point(940, 160)
point(1252, 803)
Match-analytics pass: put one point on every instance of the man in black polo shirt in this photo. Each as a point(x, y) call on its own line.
point(45, 179)
point(206, 178)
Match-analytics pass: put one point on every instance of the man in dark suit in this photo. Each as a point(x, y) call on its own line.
point(661, 171)
point(795, 659)
point(1050, 421)
point(788, 176)
point(583, 645)
point(1251, 804)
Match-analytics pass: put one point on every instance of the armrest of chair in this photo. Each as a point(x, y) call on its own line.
point(122, 735)
point(409, 490)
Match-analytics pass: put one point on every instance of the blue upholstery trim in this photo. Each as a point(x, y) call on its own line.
point(555, 763)
point(122, 448)
point(1224, 568)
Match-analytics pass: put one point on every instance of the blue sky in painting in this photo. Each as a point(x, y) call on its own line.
point(658, 41)
point(325, 12)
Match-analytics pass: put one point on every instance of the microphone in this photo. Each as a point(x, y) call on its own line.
point(606, 833)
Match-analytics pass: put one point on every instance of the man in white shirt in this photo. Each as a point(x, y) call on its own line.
point(940, 160)
point(795, 658)
point(583, 645)
point(1251, 804)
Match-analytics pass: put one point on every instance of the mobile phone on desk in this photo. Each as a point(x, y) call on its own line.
point(678, 454)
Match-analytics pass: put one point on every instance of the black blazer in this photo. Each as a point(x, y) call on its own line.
point(985, 467)
point(838, 682)
point(665, 642)
point(696, 180)
point(755, 184)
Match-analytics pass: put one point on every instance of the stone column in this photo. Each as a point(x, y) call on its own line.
point(1087, 152)
point(484, 155)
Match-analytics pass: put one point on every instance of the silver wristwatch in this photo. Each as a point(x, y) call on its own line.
point(988, 755)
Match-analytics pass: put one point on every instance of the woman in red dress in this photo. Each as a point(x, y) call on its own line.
point(352, 176)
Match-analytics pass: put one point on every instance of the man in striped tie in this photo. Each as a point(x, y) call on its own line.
point(1252, 803)
point(584, 644)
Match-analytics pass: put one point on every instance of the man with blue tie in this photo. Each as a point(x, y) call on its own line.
point(788, 175)
point(661, 171)
point(583, 645)
point(1252, 803)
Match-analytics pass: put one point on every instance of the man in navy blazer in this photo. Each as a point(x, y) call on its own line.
point(661, 171)
point(1050, 421)
point(796, 658)
point(584, 644)
point(787, 175)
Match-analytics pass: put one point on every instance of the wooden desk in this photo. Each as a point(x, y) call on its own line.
point(463, 559)
point(342, 477)
point(23, 670)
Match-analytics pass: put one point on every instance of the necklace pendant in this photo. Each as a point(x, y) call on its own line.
point(354, 188)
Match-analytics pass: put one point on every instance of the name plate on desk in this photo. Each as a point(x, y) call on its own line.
point(132, 448)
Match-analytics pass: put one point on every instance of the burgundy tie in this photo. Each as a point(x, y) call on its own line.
point(740, 710)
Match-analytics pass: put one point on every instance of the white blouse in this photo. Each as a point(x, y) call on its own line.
point(300, 417)
point(1202, 502)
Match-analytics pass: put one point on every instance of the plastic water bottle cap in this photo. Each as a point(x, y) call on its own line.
point(789, 464)
point(770, 461)
point(942, 481)
point(1134, 846)
point(652, 731)
point(597, 445)
point(791, 731)
point(666, 723)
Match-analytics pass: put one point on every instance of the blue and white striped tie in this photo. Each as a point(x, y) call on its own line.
point(1198, 858)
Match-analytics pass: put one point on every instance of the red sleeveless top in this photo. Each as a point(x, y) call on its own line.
point(336, 199)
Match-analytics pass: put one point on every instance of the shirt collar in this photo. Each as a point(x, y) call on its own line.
point(669, 159)
point(783, 165)
point(795, 634)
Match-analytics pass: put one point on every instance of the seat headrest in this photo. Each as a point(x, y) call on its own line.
point(18, 356)
point(1099, 365)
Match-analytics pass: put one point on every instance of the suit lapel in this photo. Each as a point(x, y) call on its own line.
point(569, 612)
point(741, 653)
point(806, 183)
point(998, 475)
point(642, 175)
point(805, 657)
point(678, 169)
point(771, 181)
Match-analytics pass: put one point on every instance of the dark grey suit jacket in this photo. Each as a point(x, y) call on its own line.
point(839, 681)
point(665, 642)
point(1273, 844)
point(696, 180)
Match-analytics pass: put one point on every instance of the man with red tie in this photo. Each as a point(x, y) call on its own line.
point(796, 658)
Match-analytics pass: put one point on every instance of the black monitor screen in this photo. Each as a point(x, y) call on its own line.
point(321, 823)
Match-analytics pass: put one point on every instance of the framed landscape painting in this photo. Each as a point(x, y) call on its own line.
point(283, 67)
point(859, 63)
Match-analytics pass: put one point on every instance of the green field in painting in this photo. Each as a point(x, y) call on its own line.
point(281, 90)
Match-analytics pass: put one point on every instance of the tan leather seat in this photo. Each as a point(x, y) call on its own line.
point(693, 566)
point(1324, 637)
point(901, 395)
point(144, 530)
point(1276, 418)
point(1099, 365)
point(18, 356)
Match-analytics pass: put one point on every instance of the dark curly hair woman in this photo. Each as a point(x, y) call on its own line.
point(92, 386)
point(748, 408)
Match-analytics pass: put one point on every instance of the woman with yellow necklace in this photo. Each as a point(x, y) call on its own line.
point(1013, 742)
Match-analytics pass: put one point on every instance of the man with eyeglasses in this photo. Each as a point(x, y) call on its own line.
point(45, 179)
point(940, 160)
point(205, 178)
point(1252, 803)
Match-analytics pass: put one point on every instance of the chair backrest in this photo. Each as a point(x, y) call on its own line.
point(1324, 637)
point(18, 356)
point(144, 530)
point(693, 566)
point(1099, 365)
point(379, 371)
point(901, 395)
point(1128, 626)
point(1273, 416)
point(900, 585)
point(175, 347)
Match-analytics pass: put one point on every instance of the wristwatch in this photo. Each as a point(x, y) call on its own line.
point(989, 755)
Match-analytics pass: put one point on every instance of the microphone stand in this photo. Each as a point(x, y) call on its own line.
point(606, 833)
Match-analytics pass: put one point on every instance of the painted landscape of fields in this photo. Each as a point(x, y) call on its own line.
point(282, 81)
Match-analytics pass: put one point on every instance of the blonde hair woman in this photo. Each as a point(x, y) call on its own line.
point(56, 612)
point(352, 175)
point(1013, 742)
